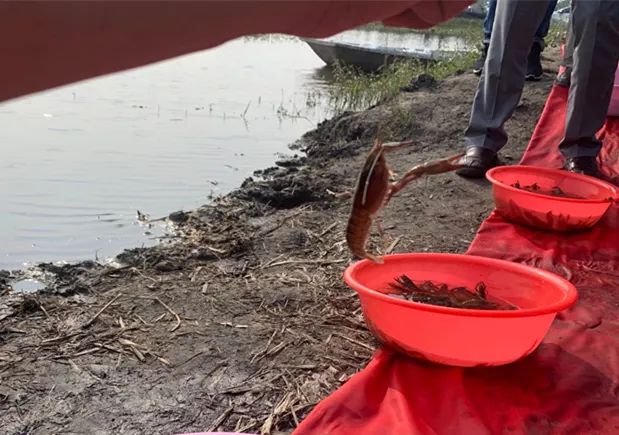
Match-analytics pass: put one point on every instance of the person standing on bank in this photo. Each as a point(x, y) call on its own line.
point(534, 63)
point(594, 34)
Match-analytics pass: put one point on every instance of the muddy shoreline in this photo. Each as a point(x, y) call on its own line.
point(242, 322)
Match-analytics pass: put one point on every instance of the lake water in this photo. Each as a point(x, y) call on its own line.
point(79, 161)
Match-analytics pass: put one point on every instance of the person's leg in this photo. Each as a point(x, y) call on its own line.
point(488, 22)
point(567, 60)
point(595, 26)
point(568, 51)
point(544, 27)
point(501, 83)
point(534, 63)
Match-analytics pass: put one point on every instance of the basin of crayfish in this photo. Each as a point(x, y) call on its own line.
point(549, 199)
point(502, 323)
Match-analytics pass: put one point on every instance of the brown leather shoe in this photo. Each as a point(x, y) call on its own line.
point(582, 165)
point(477, 161)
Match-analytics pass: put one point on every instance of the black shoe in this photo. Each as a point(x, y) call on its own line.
point(477, 161)
point(479, 63)
point(564, 78)
point(534, 63)
point(582, 165)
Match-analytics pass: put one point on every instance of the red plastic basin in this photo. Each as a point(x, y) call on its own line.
point(453, 336)
point(545, 211)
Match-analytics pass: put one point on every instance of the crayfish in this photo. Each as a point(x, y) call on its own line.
point(374, 190)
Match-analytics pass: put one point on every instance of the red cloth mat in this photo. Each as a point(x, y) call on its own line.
point(569, 385)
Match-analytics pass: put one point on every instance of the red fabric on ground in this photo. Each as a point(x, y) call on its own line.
point(569, 385)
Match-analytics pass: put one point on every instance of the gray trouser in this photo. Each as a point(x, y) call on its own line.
point(594, 33)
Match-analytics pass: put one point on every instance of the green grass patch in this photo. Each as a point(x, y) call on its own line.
point(556, 34)
point(353, 90)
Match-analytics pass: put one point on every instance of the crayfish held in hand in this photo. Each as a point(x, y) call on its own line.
point(374, 190)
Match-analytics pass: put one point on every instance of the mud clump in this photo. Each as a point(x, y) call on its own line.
point(285, 192)
point(203, 254)
point(69, 279)
point(422, 81)
point(133, 257)
point(291, 162)
point(69, 271)
point(339, 137)
point(272, 171)
point(286, 197)
point(178, 217)
point(167, 266)
point(5, 281)
point(29, 305)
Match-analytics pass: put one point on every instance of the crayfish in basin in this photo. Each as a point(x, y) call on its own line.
point(428, 292)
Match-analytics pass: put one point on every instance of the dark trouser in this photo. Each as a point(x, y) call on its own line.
point(593, 40)
point(540, 33)
point(595, 35)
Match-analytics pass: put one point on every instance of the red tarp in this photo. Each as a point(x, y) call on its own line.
point(569, 385)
